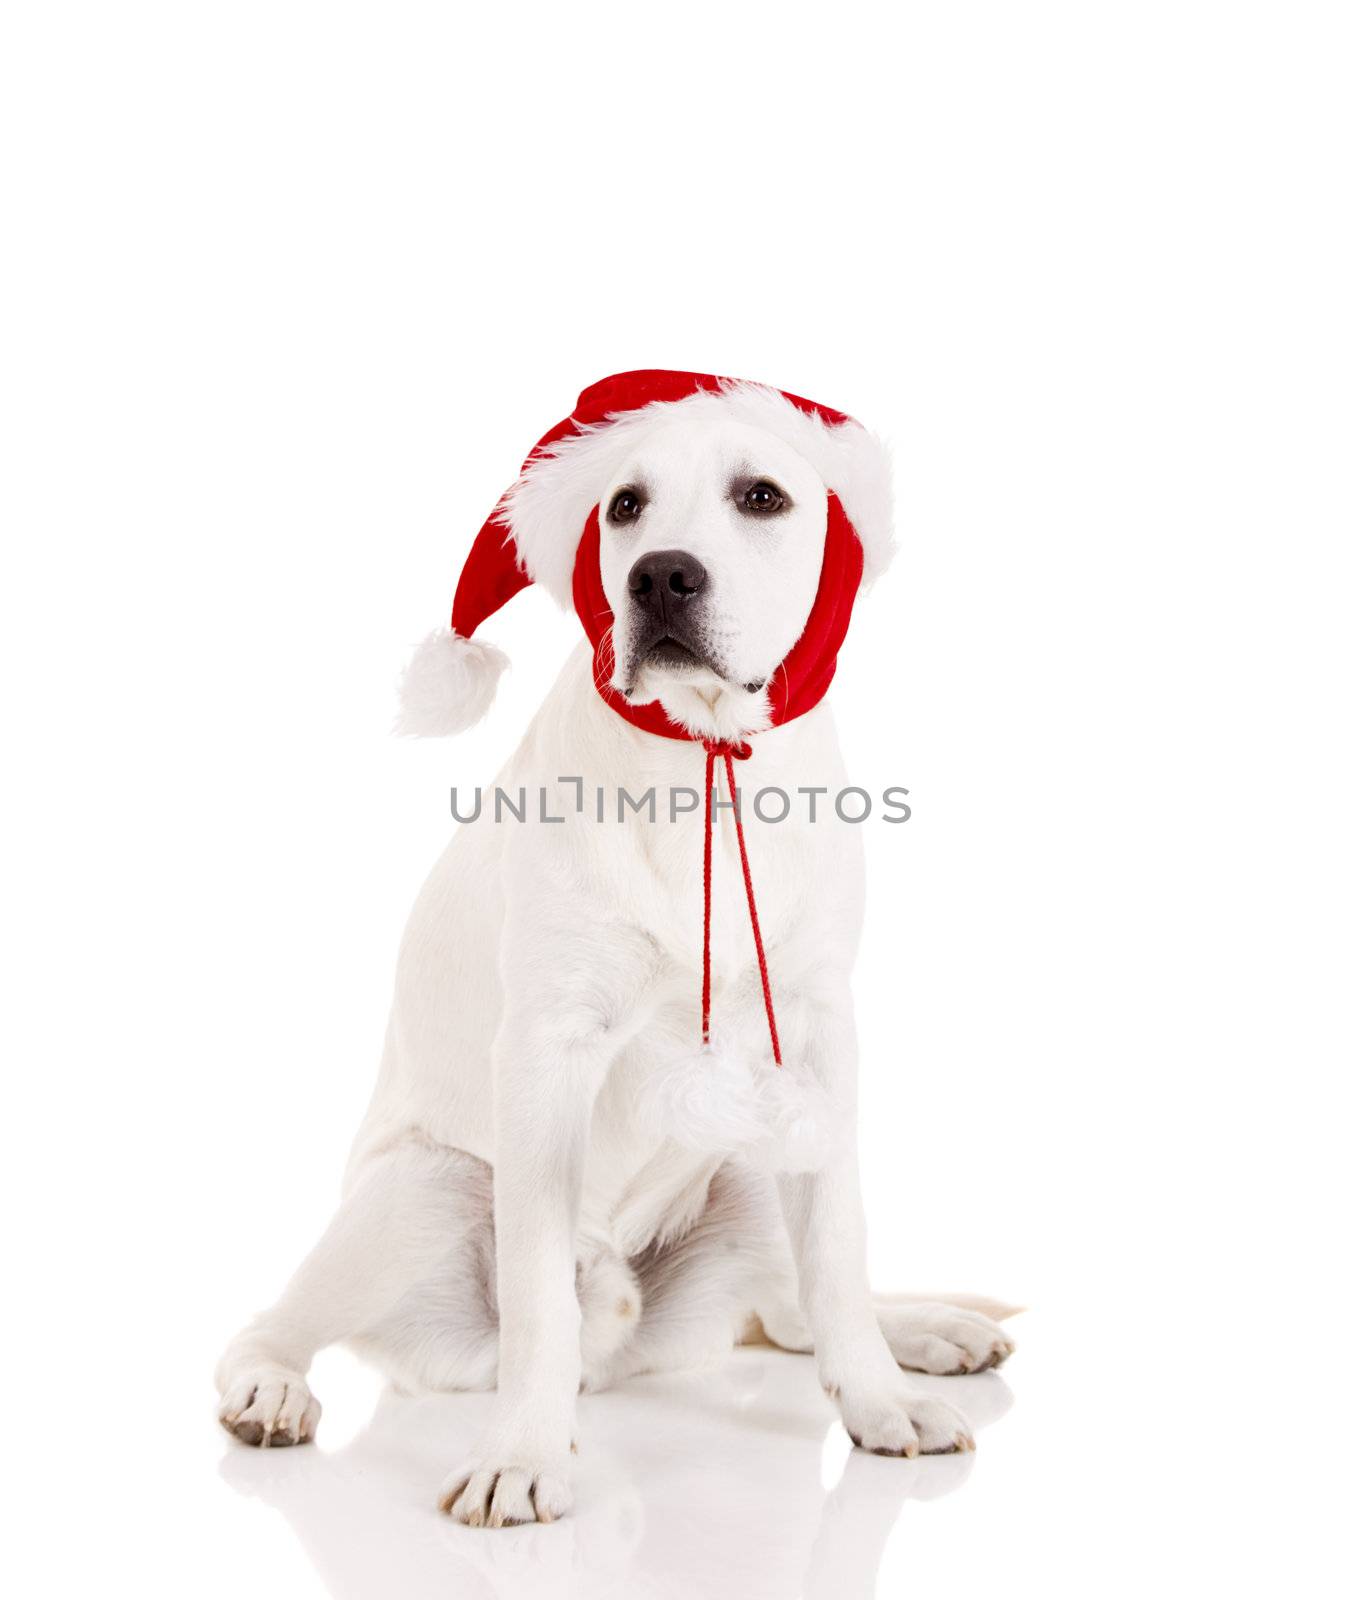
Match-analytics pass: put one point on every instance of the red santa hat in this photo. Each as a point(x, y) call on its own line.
point(544, 530)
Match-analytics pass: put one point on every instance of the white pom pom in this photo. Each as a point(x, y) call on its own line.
point(719, 1102)
point(448, 685)
point(706, 1101)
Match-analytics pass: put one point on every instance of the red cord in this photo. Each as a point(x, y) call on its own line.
point(728, 753)
point(709, 840)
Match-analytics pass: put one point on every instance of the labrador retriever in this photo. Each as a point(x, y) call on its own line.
point(613, 1128)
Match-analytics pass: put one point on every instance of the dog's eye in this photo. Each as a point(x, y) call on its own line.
point(625, 507)
point(763, 496)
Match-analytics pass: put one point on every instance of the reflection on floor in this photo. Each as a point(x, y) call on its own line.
point(736, 1482)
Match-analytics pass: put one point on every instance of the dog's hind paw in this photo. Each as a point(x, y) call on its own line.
point(929, 1337)
point(506, 1496)
point(269, 1407)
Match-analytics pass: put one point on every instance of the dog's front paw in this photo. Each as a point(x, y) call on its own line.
point(269, 1406)
point(901, 1423)
point(507, 1494)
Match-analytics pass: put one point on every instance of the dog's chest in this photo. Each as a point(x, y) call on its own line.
point(667, 896)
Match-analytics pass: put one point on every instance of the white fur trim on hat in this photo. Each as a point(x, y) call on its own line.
point(548, 506)
point(448, 685)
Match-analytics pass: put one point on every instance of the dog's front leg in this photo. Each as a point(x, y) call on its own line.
point(559, 1033)
point(826, 1222)
point(543, 1104)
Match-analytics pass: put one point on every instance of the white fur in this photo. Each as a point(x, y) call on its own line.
point(448, 684)
point(720, 1100)
point(548, 506)
point(553, 1186)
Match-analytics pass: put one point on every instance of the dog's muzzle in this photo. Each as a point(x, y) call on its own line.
point(667, 588)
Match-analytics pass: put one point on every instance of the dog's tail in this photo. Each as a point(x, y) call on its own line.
point(998, 1310)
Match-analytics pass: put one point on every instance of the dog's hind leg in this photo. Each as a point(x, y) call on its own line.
point(698, 1289)
point(388, 1235)
point(442, 1333)
point(945, 1338)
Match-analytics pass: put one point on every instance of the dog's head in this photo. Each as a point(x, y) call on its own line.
point(712, 514)
point(711, 543)
point(724, 511)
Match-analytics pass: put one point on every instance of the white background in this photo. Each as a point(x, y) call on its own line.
point(289, 290)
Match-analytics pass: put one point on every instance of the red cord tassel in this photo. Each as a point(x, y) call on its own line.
point(729, 752)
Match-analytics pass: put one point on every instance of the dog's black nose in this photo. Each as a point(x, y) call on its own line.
point(666, 577)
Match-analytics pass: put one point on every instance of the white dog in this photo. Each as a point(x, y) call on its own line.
point(561, 1181)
